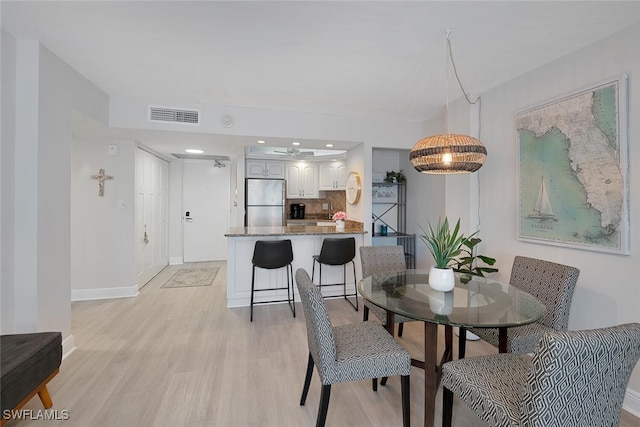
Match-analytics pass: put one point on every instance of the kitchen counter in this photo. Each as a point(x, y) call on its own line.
point(306, 241)
point(295, 230)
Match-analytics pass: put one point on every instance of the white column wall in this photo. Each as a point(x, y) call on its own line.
point(7, 180)
point(47, 90)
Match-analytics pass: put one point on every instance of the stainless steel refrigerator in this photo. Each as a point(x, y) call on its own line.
point(264, 202)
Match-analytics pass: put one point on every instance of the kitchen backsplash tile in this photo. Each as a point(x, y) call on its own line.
point(335, 200)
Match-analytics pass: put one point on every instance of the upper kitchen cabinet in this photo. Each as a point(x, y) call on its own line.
point(333, 176)
point(265, 169)
point(302, 180)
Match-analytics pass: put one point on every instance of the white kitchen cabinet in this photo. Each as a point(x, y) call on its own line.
point(302, 181)
point(265, 169)
point(333, 176)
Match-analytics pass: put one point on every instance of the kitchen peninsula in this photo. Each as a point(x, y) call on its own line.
point(306, 241)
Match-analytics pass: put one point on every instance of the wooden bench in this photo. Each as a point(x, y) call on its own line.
point(27, 363)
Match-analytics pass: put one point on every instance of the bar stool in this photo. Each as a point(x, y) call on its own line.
point(339, 251)
point(271, 255)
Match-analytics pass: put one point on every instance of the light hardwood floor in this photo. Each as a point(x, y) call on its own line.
point(179, 357)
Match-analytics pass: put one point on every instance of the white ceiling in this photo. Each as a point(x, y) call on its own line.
point(380, 59)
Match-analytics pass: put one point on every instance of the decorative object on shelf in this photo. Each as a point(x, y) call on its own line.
point(449, 153)
point(101, 177)
point(445, 245)
point(468, 263)
point(394, 177)
point(354, 188)
point(339, 218)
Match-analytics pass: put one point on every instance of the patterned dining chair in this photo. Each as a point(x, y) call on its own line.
point(351, 352)
point(575, 378)
point(382, 259)
point(551, 283)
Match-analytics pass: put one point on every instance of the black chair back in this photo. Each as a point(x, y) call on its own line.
point(337, 251)
point(271, 254)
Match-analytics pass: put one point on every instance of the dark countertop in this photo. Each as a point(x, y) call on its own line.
point(293, 230)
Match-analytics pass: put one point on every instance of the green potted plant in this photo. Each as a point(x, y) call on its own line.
point(469, 262)
point(445, 245)
point(393, 177)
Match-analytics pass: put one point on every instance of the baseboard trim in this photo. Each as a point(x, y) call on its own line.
point(176, 261)
point(631, 402)
point(104, 293)
point(68, 346)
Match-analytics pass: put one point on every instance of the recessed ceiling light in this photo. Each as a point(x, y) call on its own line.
point(295, 143)
point(261, 141)
point(194, 151)
point(329, 145)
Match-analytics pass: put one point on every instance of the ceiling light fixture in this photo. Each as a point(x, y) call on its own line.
point(261, 141)
point(295, 143)
point(329, 145)
point(194, 151)
point(448, 153)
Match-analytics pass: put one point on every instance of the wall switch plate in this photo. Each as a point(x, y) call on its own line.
point(325, 206)
point(113, 150)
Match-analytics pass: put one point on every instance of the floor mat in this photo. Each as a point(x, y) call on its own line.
point(187, 277)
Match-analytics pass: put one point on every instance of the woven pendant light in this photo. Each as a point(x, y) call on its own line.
point(448, 153)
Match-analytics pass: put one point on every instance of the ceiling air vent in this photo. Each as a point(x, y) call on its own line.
point(174, 115)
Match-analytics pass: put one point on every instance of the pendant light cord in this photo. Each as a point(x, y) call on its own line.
point(477, 101)
point(455, 72)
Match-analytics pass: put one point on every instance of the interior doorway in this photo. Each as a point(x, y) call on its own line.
point(206, 210)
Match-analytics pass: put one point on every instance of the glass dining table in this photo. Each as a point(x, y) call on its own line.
point(475, 302)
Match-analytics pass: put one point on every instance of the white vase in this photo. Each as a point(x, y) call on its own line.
point(339, 224)
point(441, 279)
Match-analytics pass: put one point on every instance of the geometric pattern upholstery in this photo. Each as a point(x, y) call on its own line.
point(382, 259)
point(574, 378)
point(553, 284)
point(348, 352)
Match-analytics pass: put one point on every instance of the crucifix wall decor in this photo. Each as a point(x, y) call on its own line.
point(101, 177)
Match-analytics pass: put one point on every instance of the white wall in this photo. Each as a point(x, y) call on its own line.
point(102, 228)
point(47, 90)
point(426, 196)
point(7, 179)
point(608, 291)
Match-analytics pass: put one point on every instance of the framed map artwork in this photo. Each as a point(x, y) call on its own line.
point(573, 187)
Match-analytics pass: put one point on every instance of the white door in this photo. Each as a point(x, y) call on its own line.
point(151, 240)
point(206, 210)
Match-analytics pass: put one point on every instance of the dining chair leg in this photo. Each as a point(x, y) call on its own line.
point(307, 380)
point(365, 313)
point(383, 381)
point(447, 407)
point(406, 399)
point(400, 329)
point(462, 342)
point(374, 383)
point(324, 405)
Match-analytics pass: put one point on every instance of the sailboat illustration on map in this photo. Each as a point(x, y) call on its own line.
point(542, 210)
